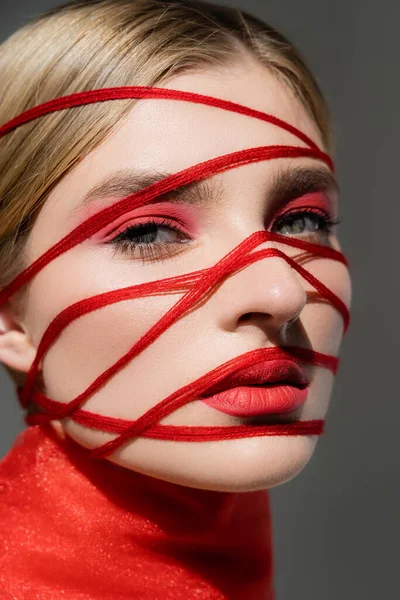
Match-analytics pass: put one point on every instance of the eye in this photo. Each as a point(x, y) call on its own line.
point(154, 239)
point(308, 222)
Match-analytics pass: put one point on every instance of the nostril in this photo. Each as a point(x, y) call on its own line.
point(247, 317)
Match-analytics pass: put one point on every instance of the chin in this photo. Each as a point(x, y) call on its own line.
point(241, 465)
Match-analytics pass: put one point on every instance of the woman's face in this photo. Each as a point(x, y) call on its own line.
point(266, 304)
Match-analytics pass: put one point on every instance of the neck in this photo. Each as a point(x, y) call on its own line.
point(146, 535)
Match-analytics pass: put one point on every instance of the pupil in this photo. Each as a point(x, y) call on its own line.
point(298, 225)
point(147, 231)
point(294, 225)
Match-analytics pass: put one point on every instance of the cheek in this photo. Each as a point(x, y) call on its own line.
point(323, 326)
point(94, 343)
point(98, 339)
point(322, 321)
point(78, 274)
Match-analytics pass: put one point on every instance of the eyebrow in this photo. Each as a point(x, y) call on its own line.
point(287, 184)
point(290, 183)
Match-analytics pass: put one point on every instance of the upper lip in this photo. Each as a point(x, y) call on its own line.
point(264, 372)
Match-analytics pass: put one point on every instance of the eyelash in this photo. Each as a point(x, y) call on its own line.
point(152, 252)
point(321, 217)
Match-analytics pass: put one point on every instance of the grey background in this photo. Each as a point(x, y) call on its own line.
point(336, 526)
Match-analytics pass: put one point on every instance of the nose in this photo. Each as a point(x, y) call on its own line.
point(268, 293)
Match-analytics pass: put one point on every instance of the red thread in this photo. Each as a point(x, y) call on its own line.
point(195, 285)
point(138, 92)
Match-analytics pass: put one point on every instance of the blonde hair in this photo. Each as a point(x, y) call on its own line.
point(90, 44)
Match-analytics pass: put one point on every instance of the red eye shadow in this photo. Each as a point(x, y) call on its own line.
point(321, 200)
point(183, 215)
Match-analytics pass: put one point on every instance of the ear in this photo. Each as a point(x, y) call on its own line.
point(16, 350)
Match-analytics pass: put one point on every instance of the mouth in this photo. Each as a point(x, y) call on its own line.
point(277, 388)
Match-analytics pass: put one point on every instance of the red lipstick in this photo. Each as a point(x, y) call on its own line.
point(268, 387)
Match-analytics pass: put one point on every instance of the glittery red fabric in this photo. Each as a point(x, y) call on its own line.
point(75, 528)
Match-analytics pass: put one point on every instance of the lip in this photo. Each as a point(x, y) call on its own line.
point(268, 387)
point(258, 400)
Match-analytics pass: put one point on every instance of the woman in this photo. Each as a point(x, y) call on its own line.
point(174, 348)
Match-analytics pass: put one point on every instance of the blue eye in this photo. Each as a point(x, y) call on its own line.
point(307, 222)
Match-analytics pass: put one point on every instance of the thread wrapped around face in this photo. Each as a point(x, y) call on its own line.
point(196, 285)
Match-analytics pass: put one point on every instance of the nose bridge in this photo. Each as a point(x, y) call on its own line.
point(268, 286)
point(284, 285)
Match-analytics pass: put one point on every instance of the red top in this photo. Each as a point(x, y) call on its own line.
point(78, 528)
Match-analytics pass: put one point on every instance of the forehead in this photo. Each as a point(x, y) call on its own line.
point(170, 135)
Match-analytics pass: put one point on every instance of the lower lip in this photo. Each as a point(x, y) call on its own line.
point(258, 400)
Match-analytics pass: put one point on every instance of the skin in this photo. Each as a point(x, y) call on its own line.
point(263, 305)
